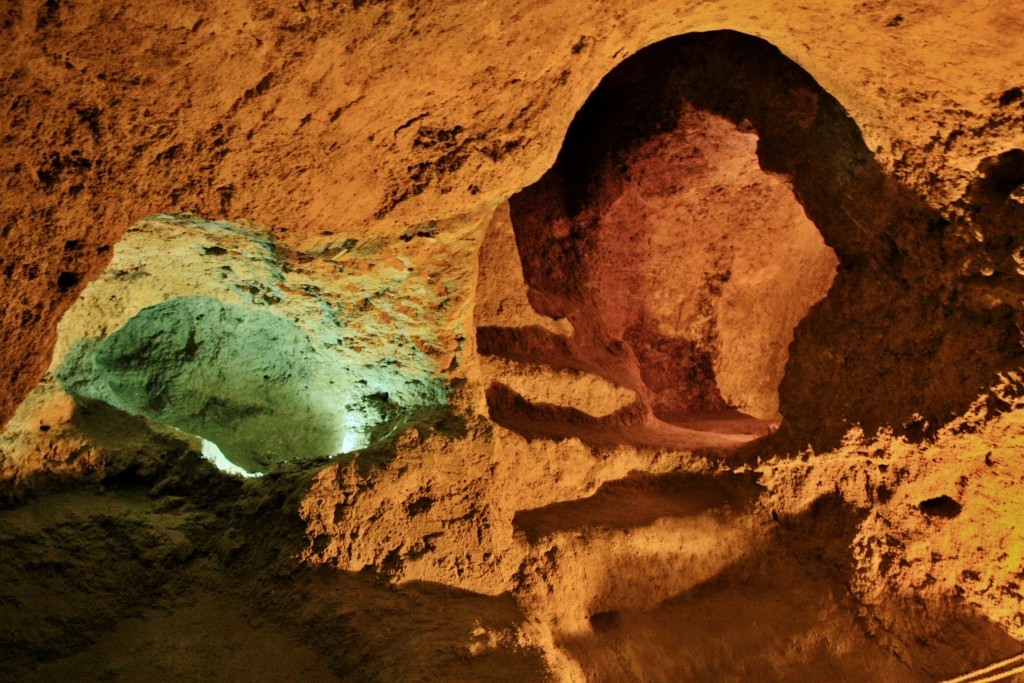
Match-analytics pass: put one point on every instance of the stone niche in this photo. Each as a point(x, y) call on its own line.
point(682, 264)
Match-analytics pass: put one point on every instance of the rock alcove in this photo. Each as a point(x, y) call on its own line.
point(703, 200)
point(682, 265)
point(207, 327)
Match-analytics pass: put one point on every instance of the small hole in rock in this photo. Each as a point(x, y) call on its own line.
point(1004, 173)
point(1010, 96)
point(604, 621)
point(941, 506)
point(67, 280)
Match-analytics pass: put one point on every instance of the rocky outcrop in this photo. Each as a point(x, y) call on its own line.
point(271, 356)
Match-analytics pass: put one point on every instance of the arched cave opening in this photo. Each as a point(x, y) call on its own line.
point(704, 198)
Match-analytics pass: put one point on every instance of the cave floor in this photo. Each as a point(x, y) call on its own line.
point(132, 582)
point(118, 584)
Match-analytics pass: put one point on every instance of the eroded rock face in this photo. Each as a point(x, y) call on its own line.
point(249, 381)
point(210, 328)
point(309, 119)
point(676, 242)
point(905, 272)
point(524, 363)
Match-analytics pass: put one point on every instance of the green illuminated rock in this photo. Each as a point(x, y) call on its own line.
point(211, 331)
point(247, 380)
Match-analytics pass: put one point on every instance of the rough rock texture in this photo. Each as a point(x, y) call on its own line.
point(581, 239)
point(270, 357)
point(364, 119)
point(667, 235)
point(156, 565)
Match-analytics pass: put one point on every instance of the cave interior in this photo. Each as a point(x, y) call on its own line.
point(712, 391)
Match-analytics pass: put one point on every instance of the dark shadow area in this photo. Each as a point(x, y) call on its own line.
point(168, 573)
point(1001, 175)
point(121, 451)
point(632, 425)
point(639, 500)
point(941, 506)
point(908, 335)
point(537, 345)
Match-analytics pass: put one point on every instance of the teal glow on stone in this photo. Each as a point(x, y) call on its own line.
point(248, 380)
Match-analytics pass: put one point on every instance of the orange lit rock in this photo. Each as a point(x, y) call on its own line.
point(725, 297)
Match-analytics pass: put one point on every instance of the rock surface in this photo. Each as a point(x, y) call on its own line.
point(507, 302)
point(272, 360)
point(309, 119)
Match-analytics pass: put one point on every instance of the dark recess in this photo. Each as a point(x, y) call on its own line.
point(942, 506)
point(1010, 96)
point(67, 280)
point(907, 338)
point(1003, 174)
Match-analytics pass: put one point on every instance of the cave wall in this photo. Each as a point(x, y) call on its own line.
point(402, 131)
point(407, 113)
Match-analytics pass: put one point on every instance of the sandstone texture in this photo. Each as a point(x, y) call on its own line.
point(376, 341)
